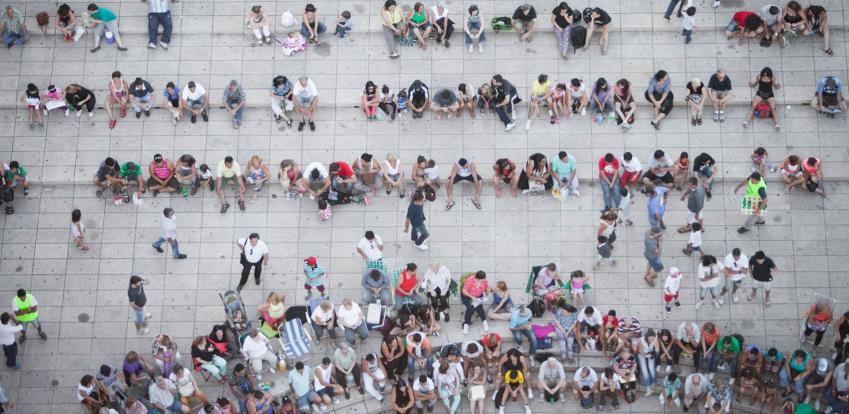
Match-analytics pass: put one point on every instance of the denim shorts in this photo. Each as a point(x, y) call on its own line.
point(732, 26)
point(655, 264)
point(138, 315)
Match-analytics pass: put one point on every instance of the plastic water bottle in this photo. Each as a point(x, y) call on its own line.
point(611, 117)
point(185, 191)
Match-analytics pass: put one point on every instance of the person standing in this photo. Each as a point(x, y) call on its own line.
point(158, 14)
point(652, 254)
point(695, 195)
point(756, 193)
point(254, 254)
point(26, 312)
point(761, 268)
point(416, 219)
point(138, 299)
point(169, 234)
point(8, 327)
point(370, 247)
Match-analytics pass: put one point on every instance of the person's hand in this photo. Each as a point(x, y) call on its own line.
point(265, 263)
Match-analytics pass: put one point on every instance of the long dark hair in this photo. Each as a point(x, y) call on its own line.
point(766, 71)
point(539, 161)
point(370, 84)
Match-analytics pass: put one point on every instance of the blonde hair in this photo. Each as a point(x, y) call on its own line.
point(256, 159)
point(326, 305)
point(274, 298)
point(391, 157)
point(501, 285)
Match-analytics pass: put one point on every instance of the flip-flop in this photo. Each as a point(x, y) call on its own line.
point(448, 206)
point(477, 204)
point(224, 207)
point(241, 205)
point(828, 52)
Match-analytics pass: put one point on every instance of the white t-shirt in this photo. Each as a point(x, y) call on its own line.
point(254, 347)
point(634, 166)
point(321, 315)
point(695, 239)
point(305, 91)
point(593, 320)
point(589, 381)
point(687, 21)
point(349, 318)
point(315, 166)
point(197, 95)
point(705, 271)
point(370, 248)
point(440, 279)
point(736, 266)
point(579, 93)
point(436, 15)
point(7, 333)
point(672, 284)
point(253, 253)
point(423, 388)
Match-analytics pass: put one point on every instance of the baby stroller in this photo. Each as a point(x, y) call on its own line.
point(234, 309)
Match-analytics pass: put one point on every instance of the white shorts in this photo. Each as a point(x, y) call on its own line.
point(756, 284)
point(693, 217)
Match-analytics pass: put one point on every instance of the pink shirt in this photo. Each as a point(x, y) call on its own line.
point(475, 289)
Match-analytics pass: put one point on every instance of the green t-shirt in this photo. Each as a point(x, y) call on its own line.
point(104, 14)
point(21, 173)
point(733, 348)
point(125, 171)
point(564, 168)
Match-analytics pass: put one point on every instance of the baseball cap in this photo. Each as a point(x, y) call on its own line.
point(822, 365)
point(311, 261)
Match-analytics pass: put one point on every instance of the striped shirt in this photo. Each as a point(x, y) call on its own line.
point(630, 331)
point(710, 337)
point(234, 97)
point(157, 6)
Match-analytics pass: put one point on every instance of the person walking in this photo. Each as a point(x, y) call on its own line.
point(756, 196)
point(26, 312)
point(8, 327)
point(158, 14)
point(652, 254)
point(416, 219)
point(254, 254)
point(695, 195)
point(762, 269)
point(135, 293)
point(169, 234)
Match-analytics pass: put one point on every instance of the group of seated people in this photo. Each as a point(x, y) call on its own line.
point(784, 24)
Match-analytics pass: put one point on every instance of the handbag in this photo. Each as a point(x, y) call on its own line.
point(243, 260)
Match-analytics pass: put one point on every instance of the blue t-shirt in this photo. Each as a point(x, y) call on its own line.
point(282, 90)
point(821, 84)
point(655, 204)
point(564, 168)
point(517, 319)
point(415, 213)
point(173, 97)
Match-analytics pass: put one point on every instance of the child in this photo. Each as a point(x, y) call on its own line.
point(54, 100)
point(240, 324)
point(671, 289)
point(324, 211)
point(293, 43)
point(681, 169)
point(577, 284)
point(432, 172)
point(32, 99)
point(206, 175)
point(314, 277)
point(669, 392)
point(78, 229)
point(688, 22)
point(625, 206)
point(695, 241)
point(260, 25)
point(759, 160)
point(343, 24)
point(402, 101)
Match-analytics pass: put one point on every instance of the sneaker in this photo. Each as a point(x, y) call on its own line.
point(480, 47)
point(716, 304)
point(513, 114)
point(335, 401)
point(301, 126)
point(668, 368)
point(323, 407)
point(204, 116)
point(159, 249)
point(698, 304)
point(742, 230)
point(500, 409)
point(144, 331)
point(527, 409)
point(421, 246)
point(471, 48)
point(721, 300)
point(79, 113)
point(721, 116)
point(194, 118)
point(147, 316)
point(180, 256)
point(530, 390)
point(67, 112)
point(677, 304)
point(164, 45)
point(715, 3)
point(485, 326)
point(668, 309)
point(138, 115)
point(583, 111)
point(715, 116)
point(648, 392)
point(528, 125)
point(510, 126)
point(465, 329)
point(576, 193)
point(151, 45)
point(734, 298)
point(312, 126)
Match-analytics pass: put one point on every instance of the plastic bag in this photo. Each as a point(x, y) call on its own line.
point(287, 19)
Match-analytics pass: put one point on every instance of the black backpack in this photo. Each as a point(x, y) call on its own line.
point(537, 308)
point(577, 36)
point(7, 194)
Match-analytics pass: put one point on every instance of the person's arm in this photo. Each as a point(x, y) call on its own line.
point(265, 259)
point(742, 183)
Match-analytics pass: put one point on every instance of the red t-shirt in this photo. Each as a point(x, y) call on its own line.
point(609, 169)
point(740, 17)
point(609, 322)
point(485, 341)
point(345, 170)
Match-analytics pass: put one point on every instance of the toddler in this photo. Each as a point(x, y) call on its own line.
point(625, 206)
point(240, 324)
point(759, 157)
point(343, 24)
point(432, 172)
point(32, 99)
point(206, 176)
point(402, 101)
point(682, 167)
point(695, 241)
point(688, 22)
point(53, 100)
point(293, 43)
point(671, 289)
point(78, 229)
point(578, 284)
point(324, 211)
point(314, 277)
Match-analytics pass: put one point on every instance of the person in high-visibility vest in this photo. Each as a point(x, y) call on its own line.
point(755, 190)
point(26, 312)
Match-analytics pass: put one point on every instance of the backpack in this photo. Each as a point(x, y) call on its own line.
point(6, 194)
point(537, 307)
point(587, 402)
point(588, 15)
point(577, 36)
point(501, 24)
point(763, 110)
point(829, 94)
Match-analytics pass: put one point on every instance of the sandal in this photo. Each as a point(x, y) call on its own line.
point(828, 52)
point(649, 281)
point(477, 204)
point(449, 205)
point(123, 112)
point(224, 207)
point(655, 125)
point(241, 205)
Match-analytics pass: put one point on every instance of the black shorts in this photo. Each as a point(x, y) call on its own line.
point(666, 179)
point(458, 178)
point(765, 95)
point(172, 182)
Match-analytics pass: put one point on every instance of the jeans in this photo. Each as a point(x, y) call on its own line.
point(573, 186)
point(411, 365)
point(502, 111)
point(714, 292)
point(419, 234)
point(614, 397)
point(439, 300)
point(361, 330)
point(413, 299)
point(532, 339)
point(688, 35)
point(467, 316)
point(11, 352)
point(612, 197)
point(705, 173)
point(306, 32)
point(175, 248)
point(238, 115)
point(451, 401)
point(648, 370)
point(154, 20)
point(177, 408)
point(836, 404)
point(321, 329)
point(16, 38)
point(449, 28)
point(715, 357)
point(565, 342)
point(138, 315)
point(671, 8)
point(472, 27)
point(142, 104)
point(384, 296)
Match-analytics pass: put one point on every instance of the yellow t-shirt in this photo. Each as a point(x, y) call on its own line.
point(520, 379)
point(538, 89)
